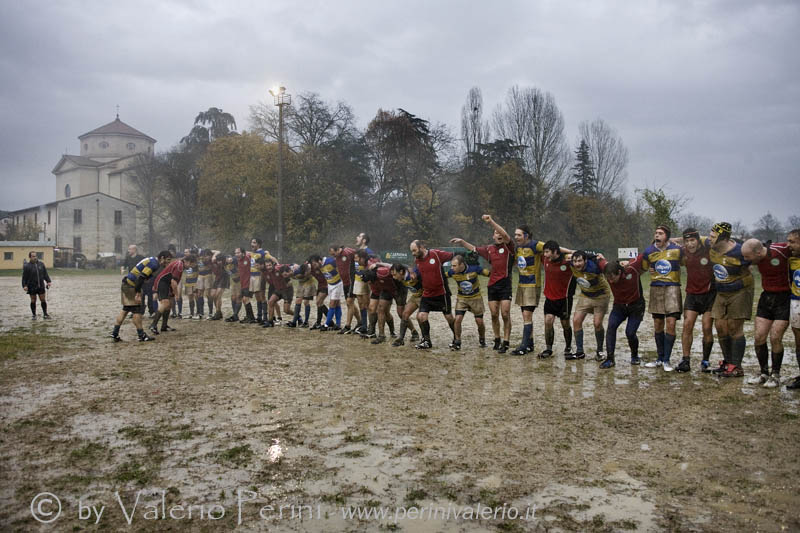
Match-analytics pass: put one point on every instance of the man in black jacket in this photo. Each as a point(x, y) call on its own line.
point(36, 281)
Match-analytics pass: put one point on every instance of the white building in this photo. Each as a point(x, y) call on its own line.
point(95, 209)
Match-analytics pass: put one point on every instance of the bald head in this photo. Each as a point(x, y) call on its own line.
point(753, 250)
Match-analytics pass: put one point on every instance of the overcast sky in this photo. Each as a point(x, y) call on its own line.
point(706, 95)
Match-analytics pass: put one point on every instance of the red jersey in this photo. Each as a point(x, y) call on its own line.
point(501, 258)
point(244, 272)
point(430, 272)
point(176, 269)
point(774, 268)
point(699, 271)
point(344, 263)
point(557, 277)
point(628, 289)
point(320, 277)
point(384, 283)
point(276, 280)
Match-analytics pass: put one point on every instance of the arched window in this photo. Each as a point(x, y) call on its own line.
point(67, 191)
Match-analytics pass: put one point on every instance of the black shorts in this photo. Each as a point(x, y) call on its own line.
point(348, 291)
point(560, 308)
point(135, 309)
point(246, 293)
point(699, 303)
point(400, 293)
point(383, 295)
point(222, 282)
point(774, 305)
point(500, 291)
point(36, 290)
point(286, 294)
point(164, 287)
point(270, 291)
point(435, 304)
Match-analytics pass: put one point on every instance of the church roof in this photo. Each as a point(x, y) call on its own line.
point(83, 161)
point(117, 127)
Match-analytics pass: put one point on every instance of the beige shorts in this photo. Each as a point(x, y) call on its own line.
point(255, 282)
point(236, 289)
point(188, 288)
point(473, 305)
point(360, 288)
point(527, 296)
point(205, 282)
point(414, 298)
point(665, 300)
point(129, 296)
point(736, 305)
point(794, 314)
point(592, 306)
point(306, 291)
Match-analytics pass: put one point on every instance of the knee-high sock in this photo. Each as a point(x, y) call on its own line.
point(579, 340)
point(568, 337)
point(425, 327)
point(762, 354)
point(320, 313)
point(164, 320)
point(402, 333)
point(777, 361)
point(200, 305)
point(737, 350)
point(373, 319)
point(33, 308)
point(248, 309)
point(660, 345)
point(707, 350)
point(191, 307)
point(44, 307)
point(527, 339)
point(725, 346)
point(179, 303)
point(330, 315)
point(363, 323)
point(156, 316)
point(599, 336)
point(549, 336)
point(210, 306)
point(669, 342)
point(296, 317)
point(390, 324)
point(307, 313)
point(260, 310)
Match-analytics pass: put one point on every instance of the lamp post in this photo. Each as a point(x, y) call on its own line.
point(280, 99)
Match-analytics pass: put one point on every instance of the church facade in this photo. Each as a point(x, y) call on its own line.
point(95, 210)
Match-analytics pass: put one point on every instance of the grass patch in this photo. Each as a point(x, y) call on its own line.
point(90, 451)
point(134, 471)
point(354, 454)
point(19, 342)
point(238, 455)
point(355, 437)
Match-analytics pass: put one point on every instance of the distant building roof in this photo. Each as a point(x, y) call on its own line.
point(84, 161)
point(117, 127)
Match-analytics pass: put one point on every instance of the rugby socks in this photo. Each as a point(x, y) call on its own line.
point(373, 319)
point(633, 343)
point(762, 354)
point(599, 335)
point(527, 330)
point(737, 350)
point(248, 309)
point(707, 349)
point(115, 332)
point(320, 313)
point(669, 342)
point(402, 334)
point(777, 361)
point(201, 305)
point(329, 316)
point(156, 316)
point(568, 337)
point(725, 346)
point(549, 336)
point(338, 314)
point(579, 341)
point(33, 308)
point(308, 313)
point(179, 303)
point(260, 308)
point(210, 307)
point(660, 345)
point(165, 320)
point(140, 332)
point(44, 308)
point(191, 307)
point(296, 317)
point(363, 318)
point(390, 324)
point(425, 328)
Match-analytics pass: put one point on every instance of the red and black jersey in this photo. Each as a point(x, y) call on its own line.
point(276, 280)
point(176, 269)
point(699, 270)
point(345, 264)
point(557, 277)
point(430, 271)
point(501, 259)
point(244, 272)
point(320, 277)
point(628, 289)
point(384, 283)
point(774, 268)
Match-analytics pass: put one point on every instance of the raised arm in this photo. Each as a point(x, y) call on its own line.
point(462, 242)
point(497, 227)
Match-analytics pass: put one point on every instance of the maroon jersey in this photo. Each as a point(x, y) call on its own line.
point(244, 272)
point(501, 258)
point(216, 269)
point(344, 263)
point(557, 277)
point(430, 272)
point(176, 269)
point(321, 281)
point(774, 268)
point(628, 289)
point(699, 271)
point(276, 280)
point(384, 283)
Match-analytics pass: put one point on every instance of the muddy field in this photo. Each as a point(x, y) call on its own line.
point(291, 430)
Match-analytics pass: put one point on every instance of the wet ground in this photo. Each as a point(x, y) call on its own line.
point(228, 418)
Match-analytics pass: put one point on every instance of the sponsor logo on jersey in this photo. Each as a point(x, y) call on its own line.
point(522, 263)
point(720, 272)
point(663, 267)
point(585, 283)
point(465, 286)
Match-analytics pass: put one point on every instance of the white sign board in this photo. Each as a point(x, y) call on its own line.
point(627, 253)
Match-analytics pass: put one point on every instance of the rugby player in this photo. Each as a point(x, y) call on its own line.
point(256, 283)
point(244, 267)
point(190, 285)
point(232, 268)
point(413, 288)
point(306, 288)
point(205, 282)
point(382, 292)
point(559, 289)
point(772, 313)
point(167, 284)
point(734, 302)
point(346, 265)
point(500, 255)
point(360, 289)
point(629, 305)
point(327, 266)
point(700, 295)
point(435, 289)
point(794, 310)
point(468, 297)
point(663, 258)
point(36, 281)
point(529, 263)
point(222, 281)
point(315, 262)
point(131, 291)
point(594, 299)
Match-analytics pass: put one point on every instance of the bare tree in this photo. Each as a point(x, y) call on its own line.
point(768, 228)
point(532, 119)
point(793, 222)
point(609, 155)
point(145, 173)
point(474, 130)
point(698, 222)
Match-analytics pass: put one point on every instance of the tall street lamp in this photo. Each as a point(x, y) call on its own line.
point(281, 99)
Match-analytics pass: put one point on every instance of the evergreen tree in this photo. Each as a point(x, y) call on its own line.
point(584, 181)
